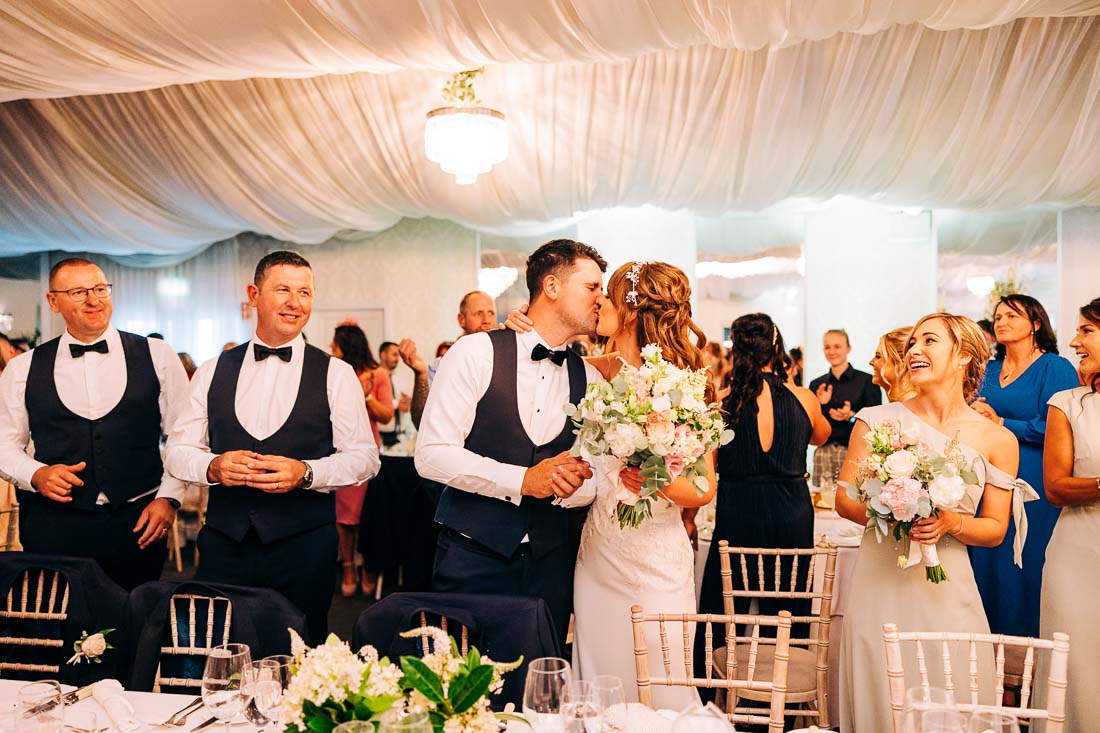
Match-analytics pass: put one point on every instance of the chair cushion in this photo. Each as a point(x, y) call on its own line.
point(801, 676)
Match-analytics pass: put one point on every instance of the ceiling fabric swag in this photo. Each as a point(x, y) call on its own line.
point(58, 48)
point(1000, 118)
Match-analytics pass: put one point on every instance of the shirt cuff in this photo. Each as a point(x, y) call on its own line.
point(24, 472)
point(171, 488)
point(508, 480)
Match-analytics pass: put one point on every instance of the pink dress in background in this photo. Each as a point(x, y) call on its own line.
point(349, 499)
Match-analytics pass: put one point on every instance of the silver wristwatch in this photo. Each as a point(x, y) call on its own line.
point(307, 477)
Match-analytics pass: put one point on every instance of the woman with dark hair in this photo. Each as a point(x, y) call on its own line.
point(763, 500)
point(350, 344)
point(1071, 578)
point(1018, 384)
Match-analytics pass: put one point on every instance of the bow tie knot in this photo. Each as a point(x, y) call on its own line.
point(79, 350)
point(540, 352)
point(261, 352)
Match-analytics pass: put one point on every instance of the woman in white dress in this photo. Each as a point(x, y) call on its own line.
point(1071, 576)
point(945, 361)
point(652, 565)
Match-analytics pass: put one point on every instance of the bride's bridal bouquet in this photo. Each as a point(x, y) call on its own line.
point(654, 417)
point(903, 481)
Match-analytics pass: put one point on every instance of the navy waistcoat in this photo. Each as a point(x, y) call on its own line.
point(498, 433)
point(121, 448)
point(306, 435)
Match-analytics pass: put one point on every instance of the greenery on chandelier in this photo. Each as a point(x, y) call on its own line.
point(459, 89)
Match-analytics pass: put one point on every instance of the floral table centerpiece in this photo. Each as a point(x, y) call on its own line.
point(330, 684)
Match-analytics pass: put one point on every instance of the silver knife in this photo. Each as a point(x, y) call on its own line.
point(68, 698)
point(212, 721)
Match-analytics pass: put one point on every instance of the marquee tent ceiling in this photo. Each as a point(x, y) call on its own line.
point(714, 106)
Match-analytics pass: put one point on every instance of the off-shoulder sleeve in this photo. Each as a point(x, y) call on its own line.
point(1022, 492)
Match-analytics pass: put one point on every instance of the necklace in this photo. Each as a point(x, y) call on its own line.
point(1006, 374)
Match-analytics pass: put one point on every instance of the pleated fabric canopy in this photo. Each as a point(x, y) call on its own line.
point(161, 126)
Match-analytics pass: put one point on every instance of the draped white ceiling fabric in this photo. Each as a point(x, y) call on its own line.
point(610, 102)
point(55, 48)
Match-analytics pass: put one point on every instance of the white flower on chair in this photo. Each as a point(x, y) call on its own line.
point(90, 647)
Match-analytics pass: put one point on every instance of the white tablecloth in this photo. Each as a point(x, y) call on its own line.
point(148, 707)
point(828, 525)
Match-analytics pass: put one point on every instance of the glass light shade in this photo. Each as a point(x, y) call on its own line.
point(466, 141)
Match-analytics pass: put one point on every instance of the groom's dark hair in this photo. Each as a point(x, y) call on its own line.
point(554, 258)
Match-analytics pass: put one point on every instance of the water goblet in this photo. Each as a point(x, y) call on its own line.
point(225, 681)
point(581, 711)
point(988, 721)
point(40, 709)
point(398, 721)
point(544, 692)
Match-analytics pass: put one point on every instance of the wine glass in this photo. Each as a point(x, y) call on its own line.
point(40, 709)
point(610, 696)
point(543, 693)
point(920, 700)
point(398, 721)
point(988, 721)
point(580, 709)
point(942, 720)
point(355, 726)
point(225, 681)
point(266, 685)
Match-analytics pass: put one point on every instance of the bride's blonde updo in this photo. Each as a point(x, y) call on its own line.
point(968, 340)
point(663, 306)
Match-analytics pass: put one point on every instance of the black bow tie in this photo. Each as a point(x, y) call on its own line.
point(540, 352)
point(261, 352)
point(79, 350)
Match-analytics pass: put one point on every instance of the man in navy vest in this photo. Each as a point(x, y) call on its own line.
point(494, 433)
point(94, 403)
point(274, 425)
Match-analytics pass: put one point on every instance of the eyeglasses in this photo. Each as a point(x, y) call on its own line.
point(79, 295)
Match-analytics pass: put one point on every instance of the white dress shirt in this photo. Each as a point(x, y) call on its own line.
point(266, 392)
point(91, 386)
point(463, 377)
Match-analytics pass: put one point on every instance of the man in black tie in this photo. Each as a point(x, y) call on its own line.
point(495, 434)
point(94, 403)
point(274, 425)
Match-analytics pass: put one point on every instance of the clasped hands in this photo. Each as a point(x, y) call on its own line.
point(839, 414)
point(271, 474)
point(559, 476)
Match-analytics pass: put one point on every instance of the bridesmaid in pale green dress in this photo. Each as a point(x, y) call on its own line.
point(945, 362)
point(1071, 576)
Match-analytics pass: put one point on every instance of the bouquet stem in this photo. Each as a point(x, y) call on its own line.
point(933, 571)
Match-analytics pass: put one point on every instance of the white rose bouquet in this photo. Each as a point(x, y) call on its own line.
point(903, 481)
point(654, 417)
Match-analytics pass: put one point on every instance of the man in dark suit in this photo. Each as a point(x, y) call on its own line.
point(274, 425)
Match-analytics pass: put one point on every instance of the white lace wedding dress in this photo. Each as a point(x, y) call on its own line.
point(652, 566)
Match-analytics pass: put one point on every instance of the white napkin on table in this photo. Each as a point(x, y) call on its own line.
point(108, 693)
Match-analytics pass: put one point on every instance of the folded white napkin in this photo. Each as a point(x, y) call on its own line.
point(108, 693)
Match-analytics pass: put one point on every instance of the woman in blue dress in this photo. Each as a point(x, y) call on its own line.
point(1017, 386)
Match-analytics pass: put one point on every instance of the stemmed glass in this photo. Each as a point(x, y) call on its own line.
point(942, 720)
point(581, 711)
point(544, 693)
point(225, 681)
point(609, 694)
point(993, 722)
point(921, 701)
point(45, 697)
point(266, 685)
point(397, 721)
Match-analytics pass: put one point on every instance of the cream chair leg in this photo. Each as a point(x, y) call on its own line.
point(174, 550)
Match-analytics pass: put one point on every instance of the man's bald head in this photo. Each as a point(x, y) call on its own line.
point(477, 312)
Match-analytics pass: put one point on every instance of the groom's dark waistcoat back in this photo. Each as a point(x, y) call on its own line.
point(498, 433)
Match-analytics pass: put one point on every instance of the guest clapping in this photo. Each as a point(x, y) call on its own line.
point(1071, 577)
point(1017, 387)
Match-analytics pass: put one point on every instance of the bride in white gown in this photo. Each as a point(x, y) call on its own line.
point(652, 565)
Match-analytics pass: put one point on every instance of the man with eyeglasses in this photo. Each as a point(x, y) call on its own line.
point(93, 403)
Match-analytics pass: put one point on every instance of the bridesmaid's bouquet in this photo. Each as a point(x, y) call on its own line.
point(654, 417)
point(903, 480)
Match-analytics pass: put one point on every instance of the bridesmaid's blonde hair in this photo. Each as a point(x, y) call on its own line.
point(892, 346)
point(969, 341)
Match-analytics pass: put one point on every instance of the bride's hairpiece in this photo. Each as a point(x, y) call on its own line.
point(633, 276)
point(775, 334)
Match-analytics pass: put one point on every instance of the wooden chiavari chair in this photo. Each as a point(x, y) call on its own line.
point(680, 673)
point(202, 633)
point(38, 594)
point(1055, 712)
point(808, 673)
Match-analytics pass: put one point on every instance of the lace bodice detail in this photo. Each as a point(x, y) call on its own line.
point(656, 551)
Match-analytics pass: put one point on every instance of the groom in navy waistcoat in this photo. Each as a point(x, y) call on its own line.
point(494, 433)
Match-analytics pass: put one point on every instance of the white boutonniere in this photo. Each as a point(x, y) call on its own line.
point(90, 647)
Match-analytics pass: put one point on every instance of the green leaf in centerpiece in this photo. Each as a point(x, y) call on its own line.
point(320, 724)
point(379, 703)
point(701, 485)
point(474, 687)
point(421, 678)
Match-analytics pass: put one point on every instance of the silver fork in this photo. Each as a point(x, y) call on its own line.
point(180, 716)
